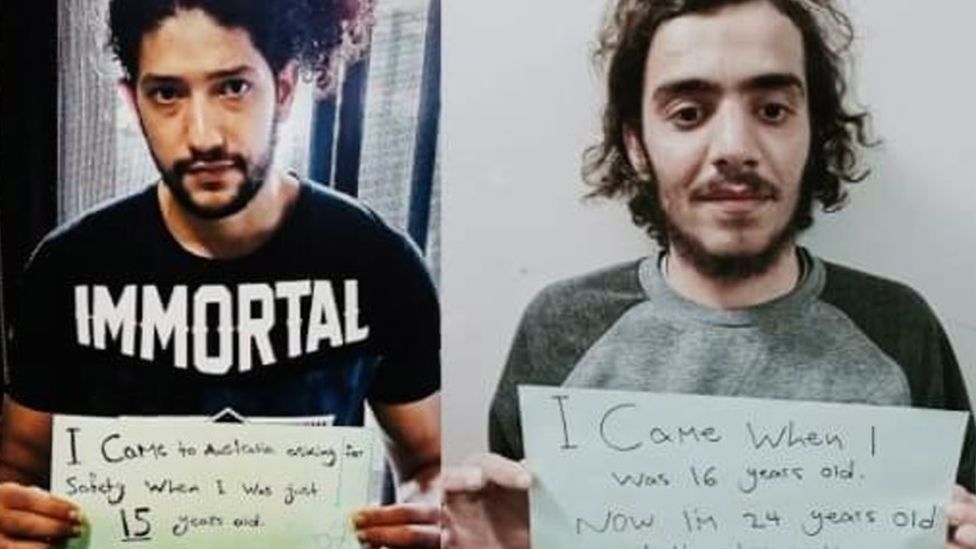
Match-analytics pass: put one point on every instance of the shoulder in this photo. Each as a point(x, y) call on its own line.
point(330, 206)
point(587, 301)
point(557, 327)
point(353, 228)
point(870, 298)
point(349, 224)
point(896, 318)
point(113, 219)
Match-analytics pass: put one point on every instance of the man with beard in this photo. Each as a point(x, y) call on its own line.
point(724, 124)
point(229, 283)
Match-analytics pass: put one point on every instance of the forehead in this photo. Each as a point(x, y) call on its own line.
point(726, 46)
point(191, 42)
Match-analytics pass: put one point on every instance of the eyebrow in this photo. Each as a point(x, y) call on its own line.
point(150, 79)
point(688, 86)
point(776, 81)
point(697, 86)
point(228, 73)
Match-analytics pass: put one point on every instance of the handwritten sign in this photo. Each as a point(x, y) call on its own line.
point(621, 470)
point(180, 484)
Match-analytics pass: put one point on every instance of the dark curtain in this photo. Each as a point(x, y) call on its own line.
point(28, 136)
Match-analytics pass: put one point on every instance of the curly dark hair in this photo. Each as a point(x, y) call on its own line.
point(837, 133)
point(319, 34)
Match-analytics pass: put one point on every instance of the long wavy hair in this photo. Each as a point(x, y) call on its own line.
point(319, 34)
point(837, 133)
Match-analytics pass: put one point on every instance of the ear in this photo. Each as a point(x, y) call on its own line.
point(285, 82)
point(636, 153)
point(127, 91)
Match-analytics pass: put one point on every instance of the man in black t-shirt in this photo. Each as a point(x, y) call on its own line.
point(303, 325)
point(229, 283)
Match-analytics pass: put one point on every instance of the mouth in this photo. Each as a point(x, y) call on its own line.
point(206, 168)
point(750, 189)
point(733, 194)
point(733, 197)
point(733, 200)
point(213, 176)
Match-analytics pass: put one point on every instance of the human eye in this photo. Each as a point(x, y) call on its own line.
point(687, 115)
point(773, 112)
point(164, 94)
point(234, 88)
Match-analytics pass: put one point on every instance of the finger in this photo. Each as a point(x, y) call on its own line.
point(965, 536)
point(502, 471)
point(397, 514)
point(35, 500)
point(961, 513)
point(962, 495)
point(14, 544)
point(464, 478)
point(27, 525)
point(447, 539)
point(411, 535)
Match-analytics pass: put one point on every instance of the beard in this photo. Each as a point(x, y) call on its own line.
point(254, 175)
point(735, 266)
point(731, 267)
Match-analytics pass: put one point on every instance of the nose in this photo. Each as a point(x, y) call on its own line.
point(203, 132)
point(734, 142)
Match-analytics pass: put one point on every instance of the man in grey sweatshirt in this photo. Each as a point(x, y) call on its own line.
point(724, 124)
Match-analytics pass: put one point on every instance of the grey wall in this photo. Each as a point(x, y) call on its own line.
point(521, 101)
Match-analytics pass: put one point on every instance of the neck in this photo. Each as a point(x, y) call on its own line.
point(235, 235)
point(775, 282)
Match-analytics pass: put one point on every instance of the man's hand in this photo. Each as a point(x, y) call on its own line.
point(414, 525)
point(413, 440)
point(31, 518)
point(962, 515)
point(486, 504)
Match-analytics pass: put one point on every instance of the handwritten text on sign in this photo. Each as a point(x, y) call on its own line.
point(173, 484)
point(621, 470)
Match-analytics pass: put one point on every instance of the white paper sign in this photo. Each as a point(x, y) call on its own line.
point(621, 470)
point(179, 484)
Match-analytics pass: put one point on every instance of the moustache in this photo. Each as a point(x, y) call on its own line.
point(737, 184)
point(215, 159)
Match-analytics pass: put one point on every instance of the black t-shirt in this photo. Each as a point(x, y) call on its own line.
point(116, 318)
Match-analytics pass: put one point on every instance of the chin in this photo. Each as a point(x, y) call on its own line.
point(211, 203)
point(734, 247)
point(731, 257)
point(745, 251)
